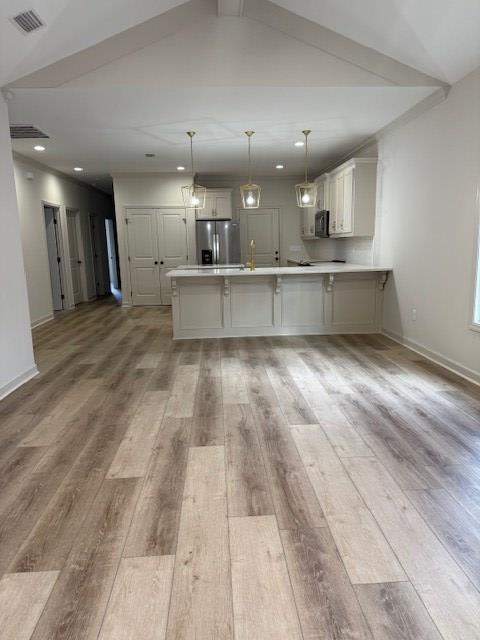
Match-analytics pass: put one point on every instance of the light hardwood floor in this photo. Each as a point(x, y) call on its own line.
point(323, 487)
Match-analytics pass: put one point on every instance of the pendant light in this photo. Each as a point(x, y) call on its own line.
point(193, 194)
point(306, 191)
point(250, 192)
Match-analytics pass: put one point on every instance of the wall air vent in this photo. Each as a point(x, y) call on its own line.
point(27, 21)
point(22, 131)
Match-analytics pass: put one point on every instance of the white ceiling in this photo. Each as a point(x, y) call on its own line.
point(219, 76)
point(439, 37)
point(71, 26)
point(113, 129)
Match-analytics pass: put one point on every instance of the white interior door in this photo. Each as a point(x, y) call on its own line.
point(261, 225)
point(172, 245)
point(53, 258)
point(75, 262)
point(142, 235)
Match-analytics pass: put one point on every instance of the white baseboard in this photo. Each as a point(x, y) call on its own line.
point(434, 356)
point(42, 320)
point(18, 381)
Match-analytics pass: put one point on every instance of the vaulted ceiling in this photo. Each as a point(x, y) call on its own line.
point(111, 80)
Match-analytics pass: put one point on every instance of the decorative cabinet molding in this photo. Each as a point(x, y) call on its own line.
point(218, 204)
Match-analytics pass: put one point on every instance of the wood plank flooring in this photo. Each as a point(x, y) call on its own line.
point(286, 488)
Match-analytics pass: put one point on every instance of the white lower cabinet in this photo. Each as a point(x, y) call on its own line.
point(256, 305)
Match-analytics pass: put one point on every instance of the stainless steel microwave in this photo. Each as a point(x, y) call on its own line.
point(321, 223)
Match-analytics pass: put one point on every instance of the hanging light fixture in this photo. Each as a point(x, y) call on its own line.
point(306, 191)
point(193, 194)
point(250, 192)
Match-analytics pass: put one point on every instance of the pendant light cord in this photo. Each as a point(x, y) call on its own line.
point(249, 162)
point(190, 134)
point(306, 157)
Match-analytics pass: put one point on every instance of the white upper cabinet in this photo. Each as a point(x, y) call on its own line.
point(351, 198)
point(218, 204)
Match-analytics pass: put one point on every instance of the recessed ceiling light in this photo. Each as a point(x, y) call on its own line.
point(149, 155)
point(299, 143)
point(180, 168)
point(38, 147)
point(279, 166)
point(78, 168)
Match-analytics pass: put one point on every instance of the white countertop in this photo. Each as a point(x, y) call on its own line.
point(325, 267)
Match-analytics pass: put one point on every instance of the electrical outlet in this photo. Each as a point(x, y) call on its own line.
point(414, 315)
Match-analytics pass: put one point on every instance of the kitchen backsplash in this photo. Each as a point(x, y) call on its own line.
point(356, 250)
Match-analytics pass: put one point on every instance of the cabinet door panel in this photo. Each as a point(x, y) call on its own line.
point(223, 207)
point(207, 213)
point(339, 217)
point(332, 193)
point(348, 187)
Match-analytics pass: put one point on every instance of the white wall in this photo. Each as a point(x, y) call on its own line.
point(52, 188)
point(16, 354)
point(427, 217)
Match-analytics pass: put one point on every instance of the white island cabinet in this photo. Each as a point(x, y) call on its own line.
point(325, 299)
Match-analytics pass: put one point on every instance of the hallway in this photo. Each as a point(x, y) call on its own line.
point(319, 487)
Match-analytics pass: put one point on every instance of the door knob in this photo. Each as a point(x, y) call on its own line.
point(156, 262)
point(161, 261)
point(79, 262)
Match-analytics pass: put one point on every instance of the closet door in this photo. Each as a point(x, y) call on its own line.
point(172, 243)
point(142, 234)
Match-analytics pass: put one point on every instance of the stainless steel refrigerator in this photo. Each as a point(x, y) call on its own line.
point(218, 242)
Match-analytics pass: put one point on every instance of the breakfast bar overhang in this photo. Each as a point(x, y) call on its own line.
point(330, 298)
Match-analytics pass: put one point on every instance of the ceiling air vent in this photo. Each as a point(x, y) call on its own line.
point(19, 131)
point(27, 21)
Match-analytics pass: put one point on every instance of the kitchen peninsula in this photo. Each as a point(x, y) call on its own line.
point(327, 298)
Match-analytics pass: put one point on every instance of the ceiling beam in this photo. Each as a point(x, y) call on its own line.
point(117, 46)
point(333, 43)
point(230, 8)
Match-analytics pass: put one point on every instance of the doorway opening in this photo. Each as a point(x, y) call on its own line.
point(112, 257)
point(76, 254)
point(52, 222)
